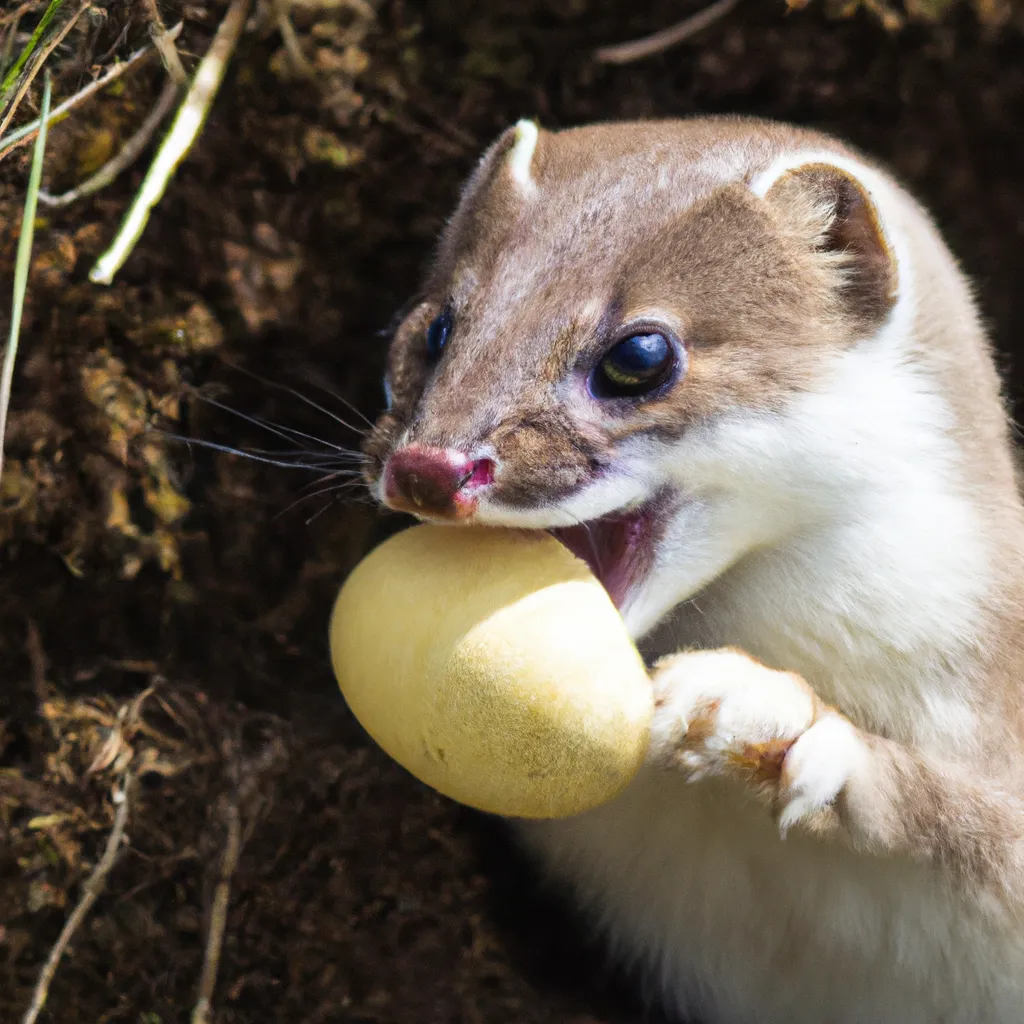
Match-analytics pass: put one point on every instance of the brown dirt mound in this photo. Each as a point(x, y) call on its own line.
point(164, 609)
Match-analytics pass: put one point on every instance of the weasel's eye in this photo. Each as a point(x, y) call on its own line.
point(636, 365)
point(437, 334)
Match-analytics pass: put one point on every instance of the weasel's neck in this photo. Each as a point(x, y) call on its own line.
point(892, 604)
point(887, 628)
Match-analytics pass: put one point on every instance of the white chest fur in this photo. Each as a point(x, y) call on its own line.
point(876, 605)
point(736, 926)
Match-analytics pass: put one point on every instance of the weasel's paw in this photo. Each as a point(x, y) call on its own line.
point(722, 713)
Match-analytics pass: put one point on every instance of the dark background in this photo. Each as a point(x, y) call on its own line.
point(286, 243)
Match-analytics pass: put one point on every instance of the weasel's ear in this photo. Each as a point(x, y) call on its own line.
point(513, 156)
point(834, 213)
point(521, 155)
point(505, 177)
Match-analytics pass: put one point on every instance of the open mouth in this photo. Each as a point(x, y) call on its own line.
point(618, 548)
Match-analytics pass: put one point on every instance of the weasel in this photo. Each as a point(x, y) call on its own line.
point(734, 366)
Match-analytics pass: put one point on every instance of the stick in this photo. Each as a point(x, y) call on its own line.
point(38, 63)
point(17, 14)
point(218, 916)
point(624, 53)
point(10, 36)
point(187, 124)
point(90, 893)
point(27, 131)
point(22, 265)
point(291, 40)
point(247, 778)
point(129, 152)
point(164, 42)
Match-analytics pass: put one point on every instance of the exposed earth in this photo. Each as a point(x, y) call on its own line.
point(163, 607)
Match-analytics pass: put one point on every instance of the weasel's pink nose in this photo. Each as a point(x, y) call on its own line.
point(434, 482)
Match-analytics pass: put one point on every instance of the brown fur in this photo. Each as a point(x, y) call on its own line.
point(749, 292)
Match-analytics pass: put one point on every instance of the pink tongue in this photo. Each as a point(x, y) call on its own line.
point(608, 546)
point(576, 539)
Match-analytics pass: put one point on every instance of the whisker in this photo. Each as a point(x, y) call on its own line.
point(327, 412)
point(339, 398)
point(593, 544)
point(327, 458)
point(352, 473)
point(316, 515)
point(274, 428)
point(254, 420)
point(346, 485)
point(228, 450)
point(340, 448)
point(302, 398)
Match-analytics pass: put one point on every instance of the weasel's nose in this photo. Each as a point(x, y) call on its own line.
point(434, 482)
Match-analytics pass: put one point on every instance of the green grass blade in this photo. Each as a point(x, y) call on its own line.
point(22, 264)
point(8, 48)
point(44, 23)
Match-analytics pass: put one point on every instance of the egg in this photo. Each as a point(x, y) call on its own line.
point(492, 665)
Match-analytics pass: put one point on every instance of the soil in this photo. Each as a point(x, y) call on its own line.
point(163, 607)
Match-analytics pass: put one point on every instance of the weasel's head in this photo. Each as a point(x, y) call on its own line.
point(619, 321)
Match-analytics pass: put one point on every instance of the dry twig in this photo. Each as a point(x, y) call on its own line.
point(219, 915)
point(37, 64)
point(38, 660)
point(164, 42)
point(124, 159)
point(27, 132)
point(247, 779)
point(17, 14)
point(90, 893)
point(625, 53)
point(7, 47)
point(300, 62)
point(187, 124)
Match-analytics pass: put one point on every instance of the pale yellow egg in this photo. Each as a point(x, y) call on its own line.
point(493, 666)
